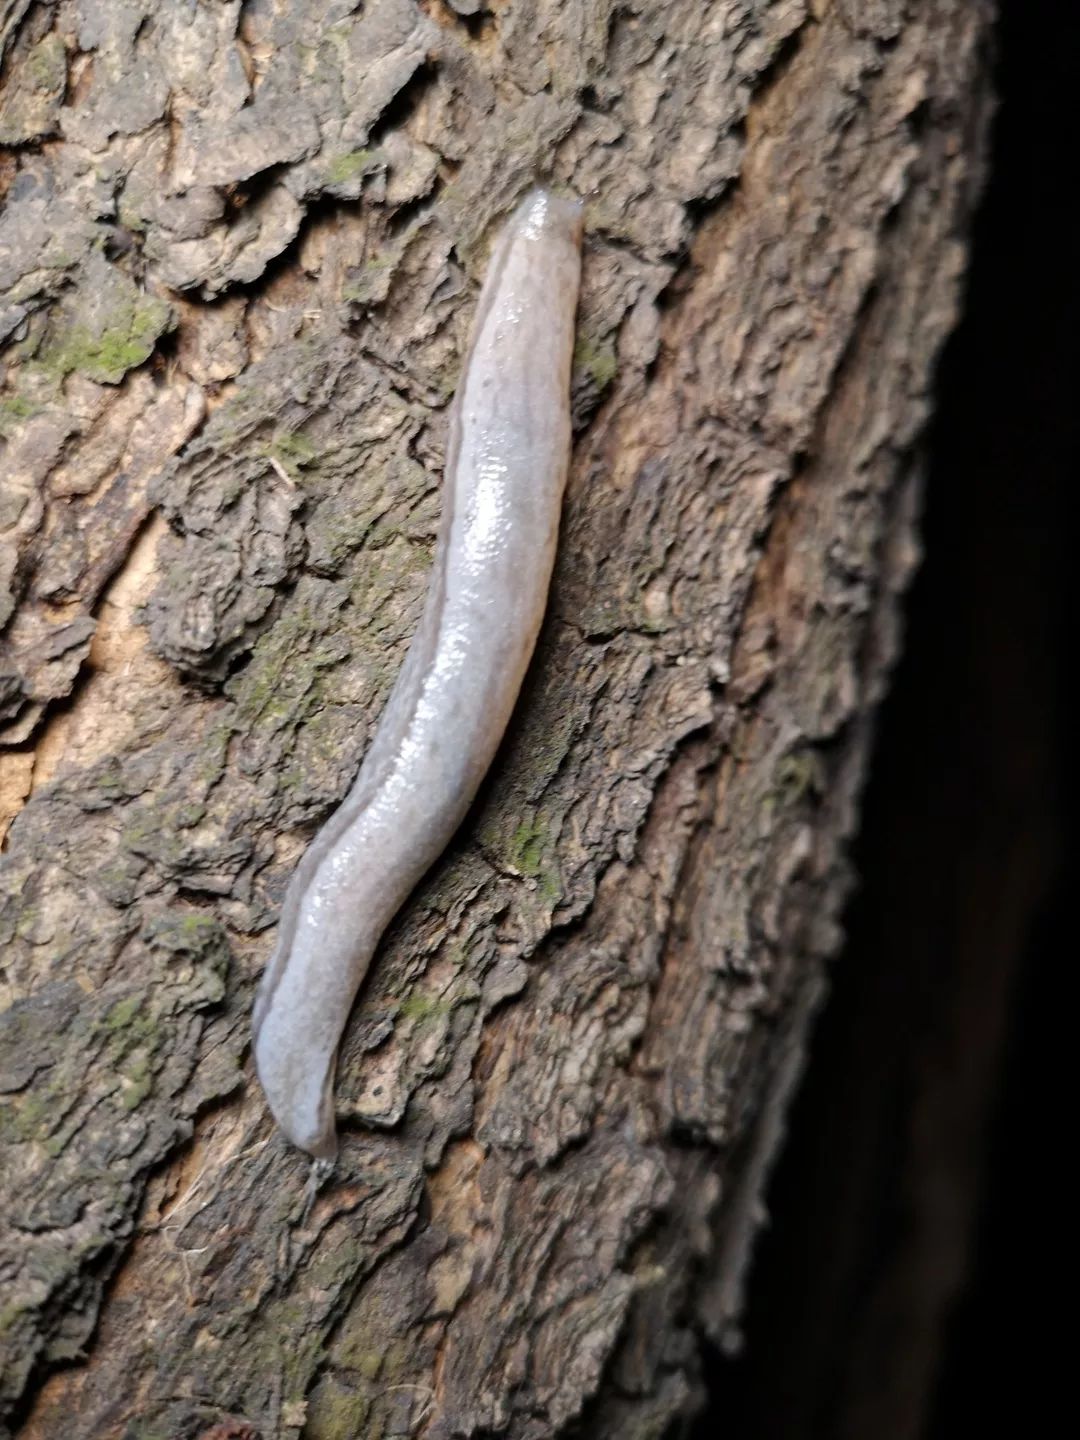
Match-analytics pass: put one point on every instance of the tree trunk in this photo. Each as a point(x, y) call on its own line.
point(238, 259)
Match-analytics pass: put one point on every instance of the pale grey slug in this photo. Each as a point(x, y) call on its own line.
point(507, 456)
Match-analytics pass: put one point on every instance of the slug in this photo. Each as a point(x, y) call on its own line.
point(508, 451)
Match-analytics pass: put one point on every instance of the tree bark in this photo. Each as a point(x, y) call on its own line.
point(239, 253)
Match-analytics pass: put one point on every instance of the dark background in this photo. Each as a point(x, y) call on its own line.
point(905, 1285)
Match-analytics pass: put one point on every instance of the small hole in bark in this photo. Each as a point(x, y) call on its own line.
point(404, 104)
point(241, 194)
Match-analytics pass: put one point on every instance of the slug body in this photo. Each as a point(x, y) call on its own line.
point(507, 458)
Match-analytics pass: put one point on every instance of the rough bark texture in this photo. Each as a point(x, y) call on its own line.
point(238, 258)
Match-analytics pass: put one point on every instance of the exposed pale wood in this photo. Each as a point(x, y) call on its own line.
point(239, 252)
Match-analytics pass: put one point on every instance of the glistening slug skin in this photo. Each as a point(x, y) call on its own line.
point(508, 451)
